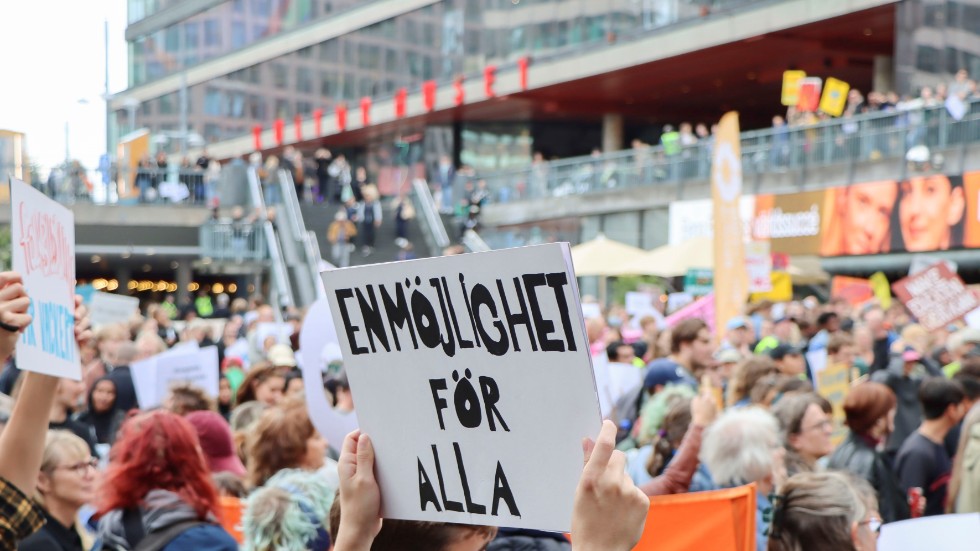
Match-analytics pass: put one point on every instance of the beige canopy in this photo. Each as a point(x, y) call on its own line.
point(673, 260)
point(602, 257)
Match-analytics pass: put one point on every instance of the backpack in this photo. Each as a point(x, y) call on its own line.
point(139, 540)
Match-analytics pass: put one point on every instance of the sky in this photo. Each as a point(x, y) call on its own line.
point(54, 56)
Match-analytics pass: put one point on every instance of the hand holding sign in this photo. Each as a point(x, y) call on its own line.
point(14, 303)
point(610, 510)
point(360, 496)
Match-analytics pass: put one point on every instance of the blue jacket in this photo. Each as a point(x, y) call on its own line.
point(206, 537)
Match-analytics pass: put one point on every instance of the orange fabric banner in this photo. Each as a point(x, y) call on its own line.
point(722, 520)
point(731, 278)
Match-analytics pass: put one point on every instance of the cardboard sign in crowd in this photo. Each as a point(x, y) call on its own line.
point(936, 296)
point(473, 377)
point(42, 238)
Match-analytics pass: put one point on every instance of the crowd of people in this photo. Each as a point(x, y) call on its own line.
point(688, 410)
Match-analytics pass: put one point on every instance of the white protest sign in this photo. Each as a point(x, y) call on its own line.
point(42, 239)
point(472, 376)
point(153, 377)
point(280, 331)
point(639, 303)
point(946, 532)
point(591, 310)
point(317, 335)
point(106, 308)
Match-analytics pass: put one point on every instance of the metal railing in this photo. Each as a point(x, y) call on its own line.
point(233, 241)
point(281, 290)
point(294, 242)
point(843, 141)
point(433, 229)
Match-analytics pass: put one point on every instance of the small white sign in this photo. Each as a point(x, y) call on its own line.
point(280, 331)
point(638, 304)
point(42, 239)
point(472, 375)
point(591, 310)
point(153, 377)
point(317, 335)
point(106, 308)
point(946, 532)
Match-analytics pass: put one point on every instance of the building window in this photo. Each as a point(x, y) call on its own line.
point(212, 32)
point(256, 107)
point(167, 104)
point(329, 50)
point(304, 80)
point(237, 105)
point(213, 100)
point(303, 108)
point(238, 38)
point(280, 75)
point(328, 84)
point(306, 52)
point(282, 109)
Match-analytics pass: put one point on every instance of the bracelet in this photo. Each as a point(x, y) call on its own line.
point(8, 327)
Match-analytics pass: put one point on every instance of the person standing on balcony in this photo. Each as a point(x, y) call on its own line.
point(270, 180)
point(322, 160)
point(369, 213)
point(341, 234)
point(445, 175)
point(339, 173)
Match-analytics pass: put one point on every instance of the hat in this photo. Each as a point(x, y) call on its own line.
point(911, 355)
point(281, 355)
point(781, 319)
point(736, 323)
point(782, 350)
point(728, 356)
point(665, 372)
point(216, 442)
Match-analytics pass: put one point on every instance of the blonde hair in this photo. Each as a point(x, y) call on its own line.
point(59, 444)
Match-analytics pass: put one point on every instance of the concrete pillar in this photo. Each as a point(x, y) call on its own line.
point(884, 73)
point(612, 132)
point(122, 276)
point(184, 277)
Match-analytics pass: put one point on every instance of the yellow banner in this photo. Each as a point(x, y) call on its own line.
point(834, 98)
point(833, 382)
point(882, 289)
point(782, 289)
point(791, 87)
point(731, 279)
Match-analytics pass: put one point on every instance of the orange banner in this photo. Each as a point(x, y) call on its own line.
point(731, 278)
point(722, 520)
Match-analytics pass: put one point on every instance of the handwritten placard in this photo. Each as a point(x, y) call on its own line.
point(106, 308)
point(936, 296)
point(153, 377)
point(472, 375)
point(42, 238)
point(833, 383)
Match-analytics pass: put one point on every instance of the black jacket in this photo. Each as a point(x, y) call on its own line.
point(52, 537)
point(125, 391)
point(909, 414)
point(856, 456)
point(510, 539)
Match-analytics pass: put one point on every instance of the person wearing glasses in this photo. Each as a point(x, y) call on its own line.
point(824, 511)
point(66, 483)
point(806, 428)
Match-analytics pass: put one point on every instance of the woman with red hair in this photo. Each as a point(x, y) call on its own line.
point(158, 490)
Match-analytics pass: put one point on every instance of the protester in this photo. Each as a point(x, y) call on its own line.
point(65, 483)
point(217, 442)
point(123, 377)
point(964, 485)
point(102, 416)
point(806, 427)
point(901, 377)
point(742, 447)
point(283, 438)
point(60, 417)
point(870, 411)
point(922, 461)
point(822, 511)
point(291, 512)
point(184, 397)
point(158, 488)
point(609, 510)
point(788, 360)
point(745, 377)
point(264, 383)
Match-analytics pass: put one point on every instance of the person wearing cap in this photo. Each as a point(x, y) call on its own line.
point(902, 378)
point(738, 335)
point(784, 330)
point(789, 360)
point(217, 442)
point(828, 324)
point(959, 345)
point(725, 361)
point(282, 357)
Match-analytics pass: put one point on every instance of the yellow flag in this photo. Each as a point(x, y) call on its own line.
point(881, 288)
point(782, 289)
point(731, 280)
point(791, 87)
point(834, 98)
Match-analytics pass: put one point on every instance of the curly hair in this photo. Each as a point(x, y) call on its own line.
point(277, 441)
point(288, 512)
point(186, 397)
point(158, 450)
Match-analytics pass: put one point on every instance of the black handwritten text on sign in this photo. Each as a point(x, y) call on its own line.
point(387, 310)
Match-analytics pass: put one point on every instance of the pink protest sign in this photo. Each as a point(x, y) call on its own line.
point(42, 237)
point(702, 309)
